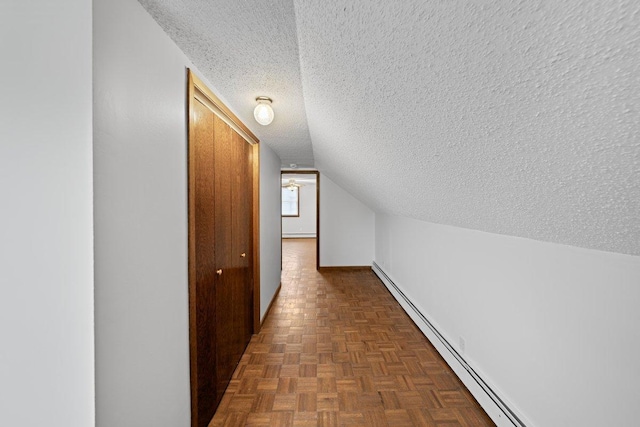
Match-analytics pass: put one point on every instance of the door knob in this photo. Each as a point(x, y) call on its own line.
point(243, 254)
point(219, 272)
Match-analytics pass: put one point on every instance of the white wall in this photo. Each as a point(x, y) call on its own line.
point(553, 328)
point(270, 253)
point(346, 228)
point(142, 350)
point(46, 231)
point(305, 224)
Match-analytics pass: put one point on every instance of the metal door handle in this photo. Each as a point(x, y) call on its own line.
point(219, 272)
point(243, 254)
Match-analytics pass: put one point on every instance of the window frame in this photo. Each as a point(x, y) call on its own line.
point(297, 214)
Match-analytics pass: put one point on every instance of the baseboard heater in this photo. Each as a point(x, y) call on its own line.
point(499, 403)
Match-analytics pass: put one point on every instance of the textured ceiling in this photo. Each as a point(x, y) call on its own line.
point(246, 49)
point(512, 117)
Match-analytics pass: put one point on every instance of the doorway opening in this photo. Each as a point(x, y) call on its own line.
point(300, 207)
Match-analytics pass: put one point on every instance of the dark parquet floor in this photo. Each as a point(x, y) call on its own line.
point(336, 349)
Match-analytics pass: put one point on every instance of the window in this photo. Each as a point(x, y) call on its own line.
point(290, 201)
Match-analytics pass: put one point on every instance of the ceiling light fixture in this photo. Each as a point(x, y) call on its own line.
point(292, 185)
point(263, 112)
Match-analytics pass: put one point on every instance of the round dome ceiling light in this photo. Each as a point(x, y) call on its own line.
point(263, 112)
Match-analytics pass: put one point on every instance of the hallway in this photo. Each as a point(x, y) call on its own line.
point(337, 350)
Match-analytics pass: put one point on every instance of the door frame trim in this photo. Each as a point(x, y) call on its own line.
point(218, 107)
point(305, 172)
point(198, 90)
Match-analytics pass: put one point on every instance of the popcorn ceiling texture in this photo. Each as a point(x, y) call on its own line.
point(245, 49)
point(518, 118)
point(512, 117)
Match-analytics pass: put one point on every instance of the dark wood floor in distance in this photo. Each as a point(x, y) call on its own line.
point(337, 350)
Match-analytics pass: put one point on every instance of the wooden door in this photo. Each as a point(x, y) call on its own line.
point(223, 137)
point(233, 193)
point(242, 242)
point(202, 293)
point(233, 226)
point(222, 261)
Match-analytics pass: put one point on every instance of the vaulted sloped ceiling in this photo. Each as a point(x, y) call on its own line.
point(512, 117)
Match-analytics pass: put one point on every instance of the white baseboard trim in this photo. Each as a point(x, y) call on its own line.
point(495, 406)
point(298, 235)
